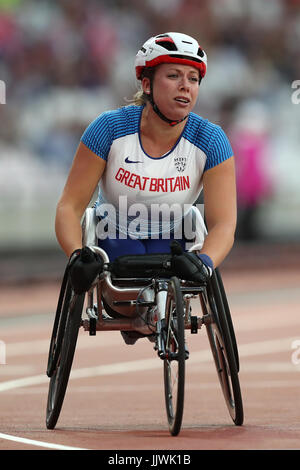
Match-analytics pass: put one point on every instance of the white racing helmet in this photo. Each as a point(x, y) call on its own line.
point(170, 48)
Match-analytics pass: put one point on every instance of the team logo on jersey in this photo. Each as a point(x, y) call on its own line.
point(180, 163)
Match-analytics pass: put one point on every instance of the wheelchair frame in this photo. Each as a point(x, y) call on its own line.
point(154, 306)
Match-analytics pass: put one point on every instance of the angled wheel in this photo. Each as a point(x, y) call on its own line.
point(59, 326)
point(220, 339)
point(174, 362)
point(61, 354)
point(220, 297)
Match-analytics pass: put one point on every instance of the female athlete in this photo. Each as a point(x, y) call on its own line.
point(154, 154)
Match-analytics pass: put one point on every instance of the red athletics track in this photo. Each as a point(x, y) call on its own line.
point(115, 398)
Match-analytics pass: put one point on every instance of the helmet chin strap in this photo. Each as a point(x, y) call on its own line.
point(171, 122)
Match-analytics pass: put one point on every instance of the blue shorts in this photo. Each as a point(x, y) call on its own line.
point(129, 246)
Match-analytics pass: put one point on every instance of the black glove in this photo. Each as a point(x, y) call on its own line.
point(84, 266)
point(187, 265)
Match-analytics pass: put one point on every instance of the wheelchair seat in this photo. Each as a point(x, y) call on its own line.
point(142, 266)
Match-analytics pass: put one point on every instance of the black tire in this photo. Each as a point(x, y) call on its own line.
point(66, 338)
point(220, 296)
point(174, 363)
point(59, 327)
point(219, 336)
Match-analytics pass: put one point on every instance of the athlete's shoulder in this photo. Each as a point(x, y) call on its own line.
point(109, 126)
point(122, 121)
point(124, 113)
point(198, 131)
point(210, 138)
point(201, 129)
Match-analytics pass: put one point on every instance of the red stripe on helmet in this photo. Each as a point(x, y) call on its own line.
point(166, 59)
point(164, 39)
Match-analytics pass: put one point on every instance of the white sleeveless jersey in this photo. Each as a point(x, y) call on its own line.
point(133, 180)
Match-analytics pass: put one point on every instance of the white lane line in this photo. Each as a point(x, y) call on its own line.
point(266, 347)
point(24, 382)
point(41, 346)
point(251, 349)
point(32, 442)
point(245, 350)
point(15, 370)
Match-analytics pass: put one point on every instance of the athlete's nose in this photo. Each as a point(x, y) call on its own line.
point(184, 83)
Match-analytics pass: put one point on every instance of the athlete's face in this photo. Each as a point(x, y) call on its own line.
point(175, 89)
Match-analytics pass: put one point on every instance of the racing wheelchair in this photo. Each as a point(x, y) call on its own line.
point(141, 294)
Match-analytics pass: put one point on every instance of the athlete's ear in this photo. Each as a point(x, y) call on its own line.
point(146, 85)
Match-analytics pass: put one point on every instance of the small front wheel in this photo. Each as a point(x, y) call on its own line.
point(174, 362)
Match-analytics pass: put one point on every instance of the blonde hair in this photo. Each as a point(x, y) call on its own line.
point(140, 98)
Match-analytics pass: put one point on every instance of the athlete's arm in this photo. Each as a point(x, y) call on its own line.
point(219, 188)
point(85, 173)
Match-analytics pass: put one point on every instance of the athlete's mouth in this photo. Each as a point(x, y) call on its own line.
point(182, 99)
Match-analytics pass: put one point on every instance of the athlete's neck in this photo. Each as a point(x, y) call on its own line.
point(157, 136)
point(155, 129)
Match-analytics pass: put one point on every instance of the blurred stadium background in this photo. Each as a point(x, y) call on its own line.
point(64, 62)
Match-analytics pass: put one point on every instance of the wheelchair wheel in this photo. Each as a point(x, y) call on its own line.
point(62, 349)
point(220, 296)
point(59, 327)
point(220, 340)
point(174, 362)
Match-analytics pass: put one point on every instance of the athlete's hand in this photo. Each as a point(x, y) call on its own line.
point(84, 266)
point(189, 265)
